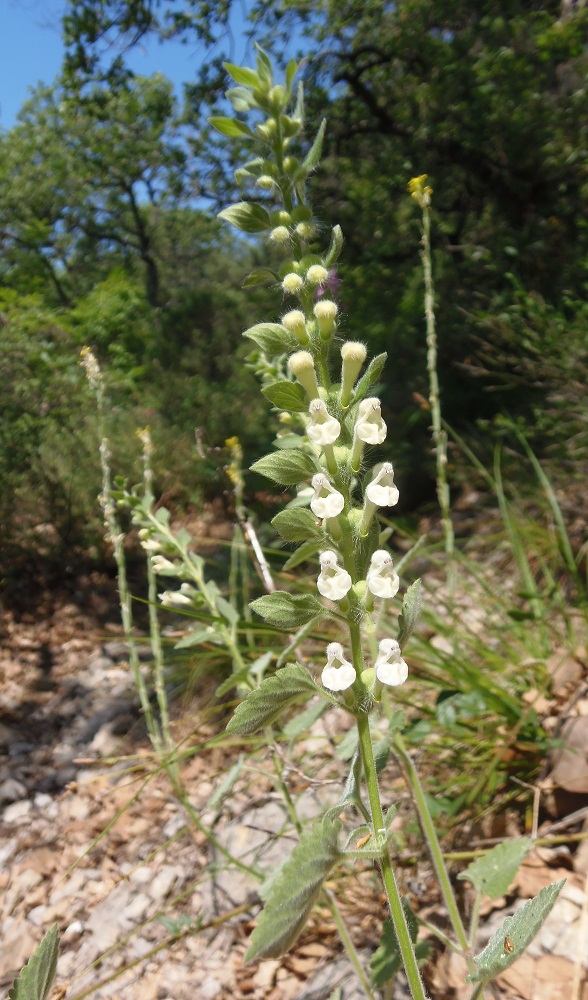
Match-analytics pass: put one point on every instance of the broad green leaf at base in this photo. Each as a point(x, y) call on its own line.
point(36, 978)
point(295, 891)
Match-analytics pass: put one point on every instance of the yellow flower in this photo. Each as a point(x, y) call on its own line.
point(420, 191)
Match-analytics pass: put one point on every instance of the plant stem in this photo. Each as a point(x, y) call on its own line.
point(347, 942)
point(430, 834)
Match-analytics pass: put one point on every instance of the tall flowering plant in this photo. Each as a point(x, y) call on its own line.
point(332, 424)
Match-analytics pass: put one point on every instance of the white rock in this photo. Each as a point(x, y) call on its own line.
point(17, 811)
point(73, 931)
point(37, 915)
point(163, 882)
point(210, 988)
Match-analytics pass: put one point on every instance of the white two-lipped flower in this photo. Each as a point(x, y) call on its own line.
point(381, 491)
point(334, 582)
point(326, 501)
point(390, 667)
point(339, 673)
point(323, 428)
point(369, 426)
point(382, 579)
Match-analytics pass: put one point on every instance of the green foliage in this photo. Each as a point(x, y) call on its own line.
point(520, 929)
point(114, 318)
point(295, 891)
point(287, 611)
point(493, 873)
point(274, 695)
point(387, 960)
point(411, 609)
point(286, 467)
point(36, 978)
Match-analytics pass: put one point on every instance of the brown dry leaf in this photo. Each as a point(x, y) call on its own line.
point(547, 978)
point(534, 875)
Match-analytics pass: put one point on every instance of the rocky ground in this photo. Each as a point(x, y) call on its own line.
point(92, 837)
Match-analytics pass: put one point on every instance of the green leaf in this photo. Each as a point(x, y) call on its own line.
point(231, 127)
point(226, 609)
point(241, 98)
point(287, 396)
point(313, 156)
point(36, 978)
point(195, 638)
point(300, 723)
point(295, 891)
point(297, 525)
point(306, 551)
point(291, 70)
point(335, 247)
point(287, 611)
point(242, 75)
point(271, 338)
point(246, 216)
point(286, 467)
point(264, 66)
point(370, 376)
point(520, 929)
point(269, 700)
point(386, 960)
point(493, 873)
point(259, 276)
point(226, 784)
point(411, 609)
point(351, 792)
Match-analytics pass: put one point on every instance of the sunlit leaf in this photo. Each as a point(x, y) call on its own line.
point(271, 698)
point(36, 978)
point(494, 872)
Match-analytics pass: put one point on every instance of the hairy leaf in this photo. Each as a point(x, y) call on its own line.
point(269, 700)
point(493, 873)
point(246, 216)
point(287, 611)
point(231, 127)
point(36, 978)
point(287, 467)
point(335, 247)
point(259, 276)
point(306, 551)
point(313, 156)
point(242, 75)
point(287, 396)
point(515, 935)
point(297, 525)
point(370, 376)
point(295, 891)
point(271, 338)
point(411, 609)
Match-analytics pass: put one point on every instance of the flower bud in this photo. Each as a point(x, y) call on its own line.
point(326, 313)
point(305, 230)
point(338, 673)
point(280, 234)
point(163, 566)
point(292, 283)
point(317, 274)
point(302, 367)
point(265, 182)
point(295, 323)
point(353, 355)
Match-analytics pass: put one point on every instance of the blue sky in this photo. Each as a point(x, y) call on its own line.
point(31, 52)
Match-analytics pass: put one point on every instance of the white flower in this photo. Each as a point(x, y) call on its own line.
point(334, 581)
point(329, 505)
point(174, 599)
point(381, 491)
point(317, 275)
point(382, 579)
point(322, 429)
point(163, 566)
point(341, 677)
point(369, 426)
point(390, 667)
point(151, 545)
point(292, 283)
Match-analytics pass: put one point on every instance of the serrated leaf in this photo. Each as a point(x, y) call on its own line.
point(295, 891)
point(231, 127)
point(35, 980)
point(297, 524)
point(494, 872)
point(306, 551)
point(287, 611)
point(411, 609)
point(287, 396)
point(520, 929)
point(271, 698)
point(300, 723)
point(313, 157)
point(242, 75)
point(370, 376)
point(259, 276)
point(335, 247)
point(271, 338)
point(286, 467)
point(246, 216)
